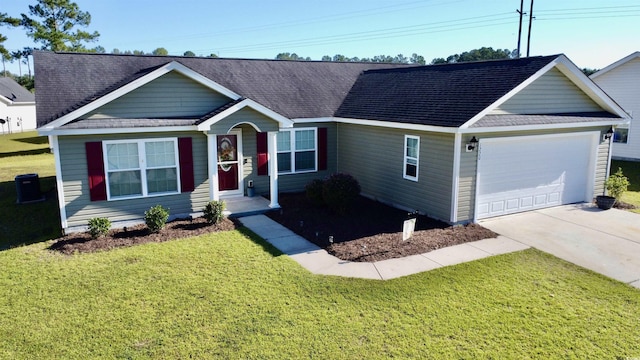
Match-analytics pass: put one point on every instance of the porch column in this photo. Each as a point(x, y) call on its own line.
point(272, 143)
point(212, 146)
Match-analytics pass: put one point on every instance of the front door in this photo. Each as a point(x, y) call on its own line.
point(229, 163)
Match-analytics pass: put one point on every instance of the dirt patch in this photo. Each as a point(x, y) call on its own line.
point(623, 205)
point(371, 231)
point(139, 234)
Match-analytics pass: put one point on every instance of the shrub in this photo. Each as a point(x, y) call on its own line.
point(339, 191)
point(213, 211)
point(616, 184)
point(99, 227)
point(314, 192)
point(156, 217)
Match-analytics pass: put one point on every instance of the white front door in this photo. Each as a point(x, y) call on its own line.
point(524, 173)
point(229, 149)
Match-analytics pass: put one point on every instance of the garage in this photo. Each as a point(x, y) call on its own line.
point(523, 173)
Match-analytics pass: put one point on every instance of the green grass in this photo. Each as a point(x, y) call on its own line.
point(631, 170)
point(229, 295)
point(25, 153)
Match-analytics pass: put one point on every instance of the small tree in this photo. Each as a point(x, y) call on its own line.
point(99, 227)
point(214, 211)
point(616, 184)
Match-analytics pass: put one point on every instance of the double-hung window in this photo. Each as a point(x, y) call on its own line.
point(139, 168)
point(411, 157)
point(297, 150)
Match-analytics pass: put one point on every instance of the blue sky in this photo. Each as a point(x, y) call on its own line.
point(592, 33)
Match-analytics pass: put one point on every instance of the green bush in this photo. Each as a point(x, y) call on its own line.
point(99, 227)
point(213, 211)
point(616, 184)
point(314, 192)
point(339, 191)
point(156, 217)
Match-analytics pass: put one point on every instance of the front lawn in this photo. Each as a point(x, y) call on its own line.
point(230, 295)
point(631, 170)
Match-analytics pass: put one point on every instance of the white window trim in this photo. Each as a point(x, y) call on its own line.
point(292, 140)
point(620, 127)
point(406, 157)
point(141, 166)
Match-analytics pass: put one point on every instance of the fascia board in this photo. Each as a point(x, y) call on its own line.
point(135, 84)
point(397, 125)
point(58, 131)
point(616, 64)
point(496, 129)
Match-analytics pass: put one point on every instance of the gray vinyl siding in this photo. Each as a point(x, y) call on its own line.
point(375, 156)
point(552, 93)
point(80, 208)
point(246, 115)
point(468, 167)
point(297, 182)
point(171, 95)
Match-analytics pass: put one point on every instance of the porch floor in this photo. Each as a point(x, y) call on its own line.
point(246, 206)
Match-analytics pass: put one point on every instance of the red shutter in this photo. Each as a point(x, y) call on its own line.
point(185, 155)
point(322, 148)
point(95, 169)
point(263, 153)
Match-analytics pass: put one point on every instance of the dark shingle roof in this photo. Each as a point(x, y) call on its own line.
point(441, 95)
point(295, 89)
point(14, 91)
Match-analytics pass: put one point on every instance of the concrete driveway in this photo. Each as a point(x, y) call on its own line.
point(607, 242)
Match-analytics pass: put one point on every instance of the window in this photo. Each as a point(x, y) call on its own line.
point(621, 134)
point(411, 157)
point(297, 151)
point(139, 168)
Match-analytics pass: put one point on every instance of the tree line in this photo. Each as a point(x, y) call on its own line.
point(57, 25)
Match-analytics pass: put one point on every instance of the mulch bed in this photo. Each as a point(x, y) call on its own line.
point(623, 205)
point(371, 231)
point(139, 234)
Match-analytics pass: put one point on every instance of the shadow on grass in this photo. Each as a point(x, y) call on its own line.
point(35, 140)
point(24, 153)
point(272, 250)
point(25, 224)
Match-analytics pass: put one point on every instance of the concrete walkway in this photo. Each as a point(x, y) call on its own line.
point(318, 261)
point(607, 242)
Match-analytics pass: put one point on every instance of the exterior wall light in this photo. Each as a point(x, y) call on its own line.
point(608, 134)
point(472, 144)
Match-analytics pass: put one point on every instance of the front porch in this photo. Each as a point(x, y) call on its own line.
point(245, 206)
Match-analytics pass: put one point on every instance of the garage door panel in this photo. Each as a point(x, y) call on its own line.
point(526, 173)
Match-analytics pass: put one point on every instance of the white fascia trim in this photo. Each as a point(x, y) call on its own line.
point(540, 127)
point(172, 66)
point(397, 125)
point(508, 95)
point(46, 131)
point(620, 62)
point(313, 120)
point(593, 91)
point(283, 121)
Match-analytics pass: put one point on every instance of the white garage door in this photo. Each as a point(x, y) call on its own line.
point(518, 174)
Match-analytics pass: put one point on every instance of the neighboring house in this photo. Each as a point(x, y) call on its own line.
point(621, 80)
point(458, 142)
point(17, 107)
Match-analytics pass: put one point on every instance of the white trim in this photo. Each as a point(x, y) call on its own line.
point(212, 151)
point(53, 142)
point(313, 120)
point(142, 167)
point(457, 144)
point(513, 128)
point(282, 120)
point(594, 137)
point(135, 84)
point(405, 157)
point(272, 145)
point(574, 74)
point(397, 125)
point(108, 131)
point(616, 64)
point(240, 190)
point(292, 150)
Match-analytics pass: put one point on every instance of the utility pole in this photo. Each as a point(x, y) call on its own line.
point(530, 22)
point(520, 26)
